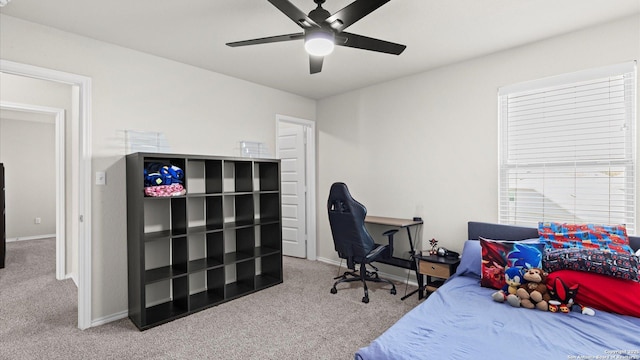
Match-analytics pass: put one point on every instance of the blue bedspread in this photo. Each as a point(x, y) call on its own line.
point(461, 321)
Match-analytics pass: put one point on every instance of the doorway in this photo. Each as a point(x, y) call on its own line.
point(36, 113)
point(295, 147)
point(81, 203)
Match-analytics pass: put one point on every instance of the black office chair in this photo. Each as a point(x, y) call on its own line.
point(352, 240)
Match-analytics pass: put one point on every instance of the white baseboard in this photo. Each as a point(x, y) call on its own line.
point(72, 277)
point(35, 237)
point(382, 274)
point(109, 318)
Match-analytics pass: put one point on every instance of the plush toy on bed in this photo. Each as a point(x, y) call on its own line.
point(513, 279)
point(534, 293)
point(563, 297)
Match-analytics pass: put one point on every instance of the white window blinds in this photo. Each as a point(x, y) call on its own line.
point(568, 148)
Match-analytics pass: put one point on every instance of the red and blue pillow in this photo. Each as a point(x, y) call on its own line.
point(497, 256)
point(610, 238)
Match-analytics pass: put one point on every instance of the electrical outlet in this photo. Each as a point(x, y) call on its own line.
point(37, 220)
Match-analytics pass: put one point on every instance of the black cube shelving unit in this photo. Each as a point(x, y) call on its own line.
point(219, 241)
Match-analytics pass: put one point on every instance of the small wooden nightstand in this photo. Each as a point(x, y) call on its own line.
point(438, 267)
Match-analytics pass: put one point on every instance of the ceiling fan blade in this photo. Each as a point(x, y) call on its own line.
point(315, 64)
point(266, 40)
point(353, 12)
point(294, 13)
point(367, 43)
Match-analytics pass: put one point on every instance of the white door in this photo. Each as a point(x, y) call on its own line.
point(291, 149)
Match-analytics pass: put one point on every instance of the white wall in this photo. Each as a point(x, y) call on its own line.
point(199, 111)
point(427, 145)
point(27, 151)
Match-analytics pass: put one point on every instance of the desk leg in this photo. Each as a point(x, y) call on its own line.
point(419, 278)
point(414, 267)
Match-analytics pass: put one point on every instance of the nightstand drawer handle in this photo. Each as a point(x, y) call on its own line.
point(433, 267)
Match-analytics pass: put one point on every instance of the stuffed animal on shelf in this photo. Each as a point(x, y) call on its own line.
point(534, 293)
point(162, 180)
point(513, 278)
point(562, 297)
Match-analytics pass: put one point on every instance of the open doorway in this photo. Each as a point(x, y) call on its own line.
point(80, 203)
point(32, 146)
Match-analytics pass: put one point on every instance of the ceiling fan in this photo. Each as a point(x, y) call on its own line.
point(323, 30)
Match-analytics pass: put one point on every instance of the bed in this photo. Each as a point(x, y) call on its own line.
point(462, 321)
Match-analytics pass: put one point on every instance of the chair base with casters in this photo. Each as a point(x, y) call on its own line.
point(363, 276)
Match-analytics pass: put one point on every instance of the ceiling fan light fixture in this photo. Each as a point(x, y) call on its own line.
point(319, 43)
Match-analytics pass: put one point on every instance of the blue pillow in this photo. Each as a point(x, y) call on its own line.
point(471, 260)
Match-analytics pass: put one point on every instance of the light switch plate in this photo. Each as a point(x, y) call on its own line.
point(101, 178)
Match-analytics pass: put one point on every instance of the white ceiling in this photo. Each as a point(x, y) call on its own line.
point(436, 32)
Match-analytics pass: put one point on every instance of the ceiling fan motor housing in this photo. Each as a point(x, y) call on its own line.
point(319, 14)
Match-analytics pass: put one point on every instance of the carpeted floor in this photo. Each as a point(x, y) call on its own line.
point(299, 319)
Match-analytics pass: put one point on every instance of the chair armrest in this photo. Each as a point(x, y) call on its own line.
point(389, 234)
point(376, 253)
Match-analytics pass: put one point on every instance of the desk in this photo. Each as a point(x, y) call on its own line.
point(411, 264)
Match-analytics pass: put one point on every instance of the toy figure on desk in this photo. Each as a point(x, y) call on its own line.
point(434, 247)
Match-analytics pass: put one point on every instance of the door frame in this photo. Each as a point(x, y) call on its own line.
point(59, 122)
point(83, 106)
point(310, 170)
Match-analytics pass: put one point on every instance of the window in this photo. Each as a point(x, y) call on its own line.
point(568, 148)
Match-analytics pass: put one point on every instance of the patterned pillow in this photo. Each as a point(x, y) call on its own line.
point(611, 238)
point(499, 255)
point(620, 265)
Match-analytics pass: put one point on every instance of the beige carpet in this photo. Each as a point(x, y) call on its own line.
point(299, 319)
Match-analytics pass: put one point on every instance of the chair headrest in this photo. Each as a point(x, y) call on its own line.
point(339, 195)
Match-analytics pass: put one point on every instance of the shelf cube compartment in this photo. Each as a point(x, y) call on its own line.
point(157, 260)
point(165, 259)
point(214, 214)
point(213, 176)
point(179, 255)
point(165, 161)
point(212, 294)
point(238, 176)
point(268, 239)
point(157, 217)
point(268, 270)
point(269, 207)
point(268, 176)
point(238, 209)
point(165, 300)
point(240, 278)
point(239, 244)
point(196, 212)
point(215, 249)
point(179, 216)
point(245, 243)
point(197, 252)
point(205, 251)
point(197, 282)
point(195, 177)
